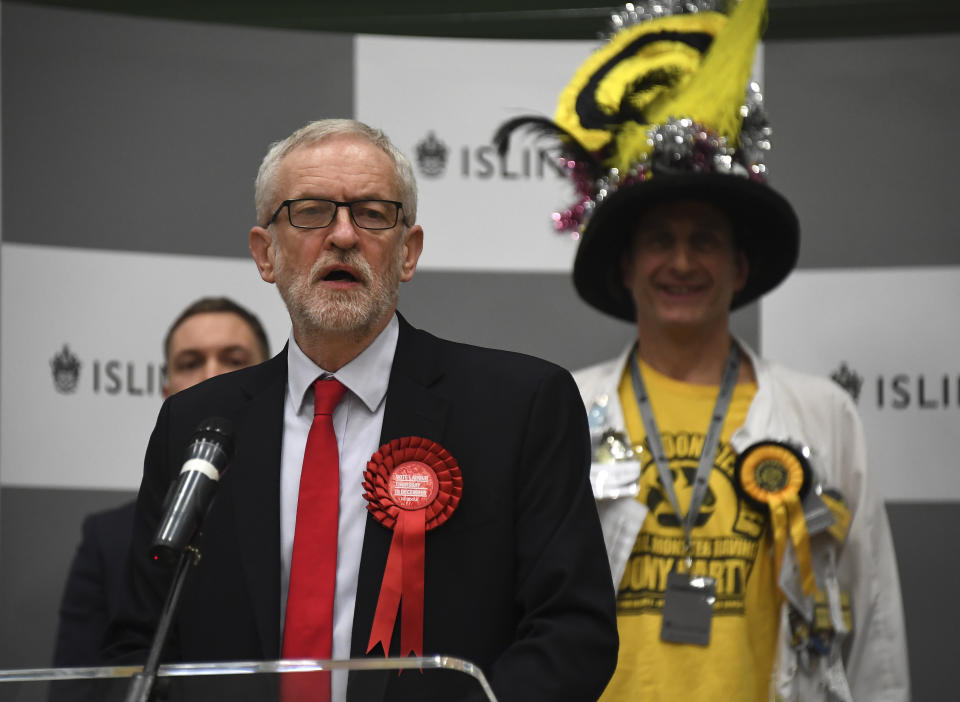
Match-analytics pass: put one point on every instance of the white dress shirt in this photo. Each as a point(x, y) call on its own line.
point(357, 421)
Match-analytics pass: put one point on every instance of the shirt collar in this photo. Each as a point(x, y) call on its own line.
point(366, 376)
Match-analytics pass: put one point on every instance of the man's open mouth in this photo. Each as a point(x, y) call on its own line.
point(341, 275)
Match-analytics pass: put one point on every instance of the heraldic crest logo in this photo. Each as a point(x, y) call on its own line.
point(848, 379)
point(431, 155)
point(65, 367)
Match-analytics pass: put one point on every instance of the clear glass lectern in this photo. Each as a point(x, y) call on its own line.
point(431, 679)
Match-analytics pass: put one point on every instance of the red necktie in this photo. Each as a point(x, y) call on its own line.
point(308, 624)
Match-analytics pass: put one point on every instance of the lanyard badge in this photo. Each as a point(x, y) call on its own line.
point(688, 599)
point(688, 607)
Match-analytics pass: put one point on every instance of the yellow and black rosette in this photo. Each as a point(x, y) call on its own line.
point(776, 476)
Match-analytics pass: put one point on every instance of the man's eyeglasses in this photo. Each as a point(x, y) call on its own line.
point(314, 213)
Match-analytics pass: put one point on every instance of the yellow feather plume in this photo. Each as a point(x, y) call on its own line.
point(655, 69)
point(714, 93)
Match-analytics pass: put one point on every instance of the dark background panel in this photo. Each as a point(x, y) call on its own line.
point(137, 136)
point(864, 146)
point(925, 534)
point(39, 534)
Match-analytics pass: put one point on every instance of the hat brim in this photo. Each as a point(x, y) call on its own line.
point(765, 228)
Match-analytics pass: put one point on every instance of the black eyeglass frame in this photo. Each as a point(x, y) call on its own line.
point(338, 204)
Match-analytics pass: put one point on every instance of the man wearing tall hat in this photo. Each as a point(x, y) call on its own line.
point(750, 559)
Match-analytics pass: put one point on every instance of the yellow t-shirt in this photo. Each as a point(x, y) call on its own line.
point(731, 543)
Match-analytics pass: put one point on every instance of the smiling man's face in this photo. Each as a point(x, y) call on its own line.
point(683, 268)
point(340, 278)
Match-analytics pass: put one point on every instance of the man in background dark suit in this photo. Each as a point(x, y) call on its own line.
point(213, 335)
point(514, 581)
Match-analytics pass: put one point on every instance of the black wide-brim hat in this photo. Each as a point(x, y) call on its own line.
point(764, 223)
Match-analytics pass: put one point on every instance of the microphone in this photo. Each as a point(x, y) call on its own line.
point(208, 453)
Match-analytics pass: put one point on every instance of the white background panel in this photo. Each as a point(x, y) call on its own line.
point(475, 216)
point(109, 308)
point(898, 329)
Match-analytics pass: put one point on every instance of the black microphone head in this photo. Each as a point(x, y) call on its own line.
point(207, 456)
point(216, 429)
point(212, 441)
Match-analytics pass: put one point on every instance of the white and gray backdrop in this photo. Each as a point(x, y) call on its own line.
point(129, 148)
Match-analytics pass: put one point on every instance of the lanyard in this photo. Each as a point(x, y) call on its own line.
point(727, 385)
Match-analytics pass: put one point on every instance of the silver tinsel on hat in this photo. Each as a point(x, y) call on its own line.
point(636, 13)
point(678, 146)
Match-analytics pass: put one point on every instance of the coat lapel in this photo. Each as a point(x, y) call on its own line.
point(256, 496)
point(413, 409)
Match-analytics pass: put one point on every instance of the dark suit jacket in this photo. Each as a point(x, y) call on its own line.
point(516, 581)
point(92, 592)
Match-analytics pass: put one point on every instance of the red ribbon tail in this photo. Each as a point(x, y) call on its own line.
point(413, 527)
point(388, 602)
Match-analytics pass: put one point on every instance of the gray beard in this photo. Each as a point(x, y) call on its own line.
point(356, 311)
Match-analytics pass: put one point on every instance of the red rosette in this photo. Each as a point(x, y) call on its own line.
point(412, 485)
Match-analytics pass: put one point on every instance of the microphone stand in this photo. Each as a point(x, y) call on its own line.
point(141, 684)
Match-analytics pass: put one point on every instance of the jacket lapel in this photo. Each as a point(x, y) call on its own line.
point(412, 408)
point(255, 488)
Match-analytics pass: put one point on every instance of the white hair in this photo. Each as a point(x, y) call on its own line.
point(265, 194)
